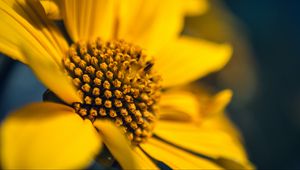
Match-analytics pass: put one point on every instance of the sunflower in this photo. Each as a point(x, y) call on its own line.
point(105, 87)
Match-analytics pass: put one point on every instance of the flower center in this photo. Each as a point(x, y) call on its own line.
point(116, 81)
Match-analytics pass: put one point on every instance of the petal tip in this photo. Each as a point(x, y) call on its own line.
point(226, 51)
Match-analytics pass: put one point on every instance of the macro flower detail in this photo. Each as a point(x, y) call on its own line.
point(108, 84)
point(115, 80)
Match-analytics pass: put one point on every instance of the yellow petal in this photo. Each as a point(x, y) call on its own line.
point(86, 20)
point(128, 156)
point(215, 117)
point(231, 164)
point(174, 157)
point(211, 142)
point(47, 136)
point(51, 9)
point(150, 24)
point(53, 77)
point(35, 29)
point(179, 105)
point(188, 59)
point(221, 122)
point(143, 160)
point(217, 104)
point(9, 49)
point(31, 46)
point(17, 34)
point(196, 7)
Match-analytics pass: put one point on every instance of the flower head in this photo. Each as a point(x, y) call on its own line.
point(115, 80)
point(110, 82)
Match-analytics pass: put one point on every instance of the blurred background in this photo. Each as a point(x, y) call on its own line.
point(263, 73)
point(272, 129)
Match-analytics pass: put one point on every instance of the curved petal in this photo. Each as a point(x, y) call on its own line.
point(53, 77)
point(150, 24)
point(176, 158)
point(222, 123)
point(28, 44)
point(87, 20)
point(47, 136)
point(36, 28)
point(183, 105)
point(210, 142)
point(196, 7)
point(219, 102)
point(188, 59)
point(216, 117)
point(128, 156)
point(16, 34)
point(51, 9)
point(179, 105)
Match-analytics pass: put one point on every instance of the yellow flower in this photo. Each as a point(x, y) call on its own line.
point(114, 83)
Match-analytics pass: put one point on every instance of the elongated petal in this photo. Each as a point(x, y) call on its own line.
point(86, 20)
point(47, 136)
point(179, 105)
point(183, 105)
point(176, 158)
point(216, 117)
point(221, 122)
point(211, 142)
point(53, 77)
point(188, 59)
point(43, 34)
point(17, 34)
point(150, 24)
point(128, 156)
point(30, 45)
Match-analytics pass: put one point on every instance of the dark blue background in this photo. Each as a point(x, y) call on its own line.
point(274, 31)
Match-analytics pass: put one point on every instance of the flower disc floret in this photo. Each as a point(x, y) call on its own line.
point(115, 81)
